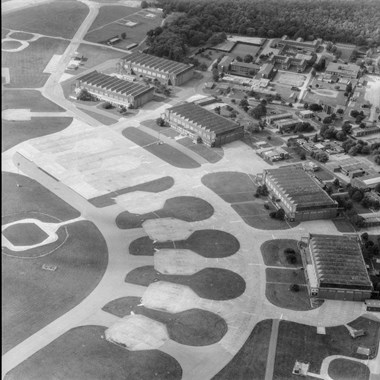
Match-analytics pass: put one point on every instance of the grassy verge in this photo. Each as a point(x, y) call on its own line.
point(273, 253)
point(211, 283)
point(83, 353)
point(250, 361)
point(194, 327)
point(165, 152)
point(28, 99)
point(16, 132)
point(24, 234)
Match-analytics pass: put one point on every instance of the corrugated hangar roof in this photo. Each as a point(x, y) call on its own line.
point(338, 260)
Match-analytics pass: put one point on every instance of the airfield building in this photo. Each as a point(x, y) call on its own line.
point(335, 268)
point(165, 70)
point(298, 194)
point(349, 70)
point(117, 91)
point(194, 121)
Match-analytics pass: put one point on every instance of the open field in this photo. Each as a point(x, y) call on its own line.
point(343, 225)
point(279, 295)
point(273, 253)
point(242, 50)
point(194, 327)
point(189, 209)
point(15, 132)
point(289, 79)
point(83, 353)
point(155, 186)
point(211, 283)
point(346, 50)
point(26, 67)
point(343, 369)
point(310, 347)
point(96, 55)
point(231, 186)
point(21, 36)
point(31, 196)
point(111, 23)
point(250, 361)
point(207, 243)
point(28, 99)
point(24, 234)
point(58, 19)
point(33, 298)
point(163, 151)
point(10, 44)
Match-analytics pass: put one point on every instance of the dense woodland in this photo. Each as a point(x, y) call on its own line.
point(347, 21)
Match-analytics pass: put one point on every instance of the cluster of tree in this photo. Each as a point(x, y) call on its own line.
point(339, 20)
point(279, 214)
point(108, 105)
point(365, 198)
point(290, 255)
point(320, 156)
point(298, 128)
point(161, 122)
point(259, 111)
point(355, 147)
point(313, 107)
point(369, 247)
point(85, 96)
point(329, 132)
point(262, 190)
point(292, 143)
point(359, 116)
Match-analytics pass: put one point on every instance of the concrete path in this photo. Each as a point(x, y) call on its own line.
point(272, 350)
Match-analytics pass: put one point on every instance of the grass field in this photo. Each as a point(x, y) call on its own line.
point(250, 361)
point(189, 209)
point(29, 99)
point(24, 234)
point(211, 283)
point(110, 22)
point(212, 155)
point(194, 327)
point(273, 253)
point(15, 132)
point(242, 50)
point(96, 55)
point(58, 19)
point(155, 186)
point(280, 295)
point(343, 369)
point(4, 32)
point(231, 186)
point(165, 152)
point(309, 347)
point(21, 36)
point(165, 131)
point(33, 298)
point(99, 117)
point(26, 67)
point(83, 353)
point(207, 243)
point(31, 196)
point(10, 44)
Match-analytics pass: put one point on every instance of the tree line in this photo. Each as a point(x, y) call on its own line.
point(206, 21)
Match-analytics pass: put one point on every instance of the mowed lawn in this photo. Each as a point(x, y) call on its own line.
point(16, 132)
point(301, 342)
point(251, 360)
point(32, 297)
point(207, 243)
point(58, 19)
point(274, 255)
point(165, 152)
point(83, 353)
point(210, 283)
point(110, 22)
point(26, 67)
point(343, 369)
point(189, 209)
point(29, 99)
point(194, 327)
point(31, 196)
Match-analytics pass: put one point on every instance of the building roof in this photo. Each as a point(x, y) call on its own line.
point(249, 65)
point(266, 68)
point(338, 260)
point(114, 84)
point(340, 68)
point(299, 187)
point(206, 119)
point(156, 63)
